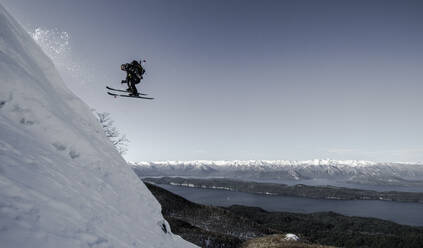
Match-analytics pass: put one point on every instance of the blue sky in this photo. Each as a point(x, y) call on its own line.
point(250, 79)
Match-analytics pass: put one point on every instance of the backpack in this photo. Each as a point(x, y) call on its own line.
point(139, 70)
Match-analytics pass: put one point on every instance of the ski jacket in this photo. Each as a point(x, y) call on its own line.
point(134, 71)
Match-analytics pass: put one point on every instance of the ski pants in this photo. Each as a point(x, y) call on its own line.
point(131, 81)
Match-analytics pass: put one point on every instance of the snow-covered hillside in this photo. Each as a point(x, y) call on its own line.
point(363, 172)
point(62, 184)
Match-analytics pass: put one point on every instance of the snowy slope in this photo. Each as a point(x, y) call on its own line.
point(363, 172)
point(62, 184)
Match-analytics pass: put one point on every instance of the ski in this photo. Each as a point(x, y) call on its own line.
point(109, 88)
point(119, 95)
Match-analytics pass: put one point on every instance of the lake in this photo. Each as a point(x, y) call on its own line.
point(399, 212)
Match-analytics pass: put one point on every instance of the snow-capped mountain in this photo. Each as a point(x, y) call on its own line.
point(62, 183)
point(365, 172)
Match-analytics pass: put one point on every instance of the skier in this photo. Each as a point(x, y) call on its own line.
point(134, 73)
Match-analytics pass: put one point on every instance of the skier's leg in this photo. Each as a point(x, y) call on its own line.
point(129, 85)
point(133, 88)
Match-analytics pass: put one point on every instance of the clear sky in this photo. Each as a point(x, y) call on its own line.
point(250, 79)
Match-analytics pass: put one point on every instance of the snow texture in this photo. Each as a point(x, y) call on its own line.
point(62, 183)
point(291, 237)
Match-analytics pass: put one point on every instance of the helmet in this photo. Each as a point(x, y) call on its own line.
point(122, 67)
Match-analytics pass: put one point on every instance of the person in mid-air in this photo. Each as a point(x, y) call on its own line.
point(134, 73)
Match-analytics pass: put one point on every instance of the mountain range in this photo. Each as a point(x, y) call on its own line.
point(348, 171)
